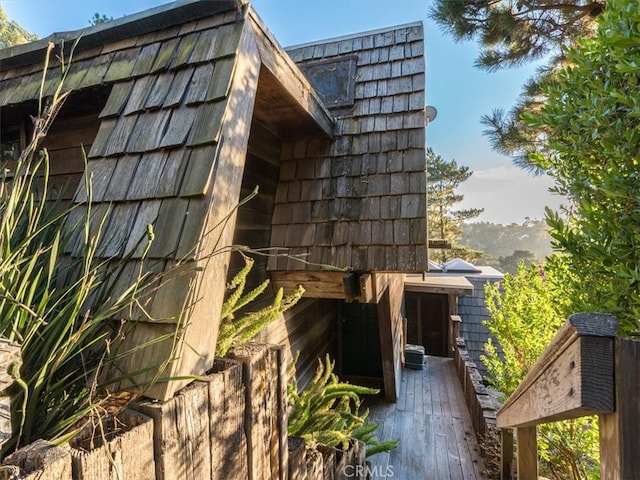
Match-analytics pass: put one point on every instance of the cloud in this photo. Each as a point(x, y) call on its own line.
point(508, 194)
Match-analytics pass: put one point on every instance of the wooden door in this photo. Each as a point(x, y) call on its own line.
point(360, 340)
point(428, 322)
point(435, 325)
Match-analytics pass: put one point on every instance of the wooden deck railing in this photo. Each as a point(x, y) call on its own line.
point(586, 370)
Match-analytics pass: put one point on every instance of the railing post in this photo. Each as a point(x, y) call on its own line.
point(506, 453)
point(527, 453)
point(619, 457)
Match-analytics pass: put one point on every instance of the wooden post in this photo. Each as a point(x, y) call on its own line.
point(128, 454)
point(391, 290)
point(181, 436)
point(264, 407)
point(619, 457)
point(329, 462)
point(527, 453)
point(40, 460)
point(456, 320)
point(279, 414)
point(506, 453)
point(297, 465)
point(9, 353)
point(315, 464)
point(226, 420)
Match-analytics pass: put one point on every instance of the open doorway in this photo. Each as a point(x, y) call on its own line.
point(428, 322)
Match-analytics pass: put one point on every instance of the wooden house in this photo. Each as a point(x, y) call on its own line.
point(185, 108)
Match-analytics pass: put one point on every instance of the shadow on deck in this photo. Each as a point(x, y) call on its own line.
point(437, 441)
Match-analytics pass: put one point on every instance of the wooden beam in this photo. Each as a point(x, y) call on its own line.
point(367, 294)
point(390, 329)
point(434, 283)
point(351, 287)
point(619, 430)
point(322, 284)
point(572, 378)
point(527, 453)
point(439, 244)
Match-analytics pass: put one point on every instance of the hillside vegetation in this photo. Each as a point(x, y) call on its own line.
point(503, 246)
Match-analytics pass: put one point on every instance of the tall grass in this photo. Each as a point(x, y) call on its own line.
point(59, 308)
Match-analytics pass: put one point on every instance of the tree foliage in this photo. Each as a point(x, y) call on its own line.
point(445, 223)
point(11, 33)
point(526, 311)
point(593, 118)
point(497, 240)
point(511, 32)
point(98, 18)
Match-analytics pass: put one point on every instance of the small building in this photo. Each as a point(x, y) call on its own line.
point(183, 110)
point(449, 302)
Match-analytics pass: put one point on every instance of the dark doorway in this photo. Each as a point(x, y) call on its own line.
point(428, 322)
point(360, 341)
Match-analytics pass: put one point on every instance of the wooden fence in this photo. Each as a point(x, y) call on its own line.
point(483, 404)
point(231, 424)
point(586, 370)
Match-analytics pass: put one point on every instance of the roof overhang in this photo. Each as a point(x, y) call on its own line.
point(445, 284)
point(154, 19)
point(286, 99)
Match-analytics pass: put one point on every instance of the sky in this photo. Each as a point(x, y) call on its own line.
point(460, 92)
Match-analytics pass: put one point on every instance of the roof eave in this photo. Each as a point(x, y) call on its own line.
point(278, 62)
point(158, 18)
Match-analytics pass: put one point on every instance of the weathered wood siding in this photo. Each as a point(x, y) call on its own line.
point(308, 328)
point(253, 224)
point(359, 200)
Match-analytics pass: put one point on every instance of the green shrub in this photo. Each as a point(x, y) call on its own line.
point(238, 331)
point(526, 312)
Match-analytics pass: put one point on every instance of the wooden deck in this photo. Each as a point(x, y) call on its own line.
point(433, 424)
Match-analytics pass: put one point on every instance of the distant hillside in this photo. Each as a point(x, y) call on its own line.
point(498, 240)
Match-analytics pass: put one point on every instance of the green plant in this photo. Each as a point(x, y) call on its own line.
point(238, 331)
point(591, 122)
point(59, 308)
point(526, 310)
point(327, 412)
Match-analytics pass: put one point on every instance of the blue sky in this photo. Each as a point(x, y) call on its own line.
point(460, 92)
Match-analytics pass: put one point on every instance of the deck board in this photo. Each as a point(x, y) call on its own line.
point(433, 425)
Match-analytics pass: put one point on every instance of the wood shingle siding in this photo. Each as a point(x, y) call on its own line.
point(359, 201)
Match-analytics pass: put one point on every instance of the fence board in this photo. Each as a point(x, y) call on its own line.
point(255, 360)
point(297, 465)
point(181, 434)
point(41, 460)
point(128, 455)
point(226, 421)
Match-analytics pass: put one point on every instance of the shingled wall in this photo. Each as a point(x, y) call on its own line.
point(473, 312)
point(359, 201)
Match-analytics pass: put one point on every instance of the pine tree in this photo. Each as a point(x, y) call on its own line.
point(443, 178)
point(11, 33)
point(511, 33)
